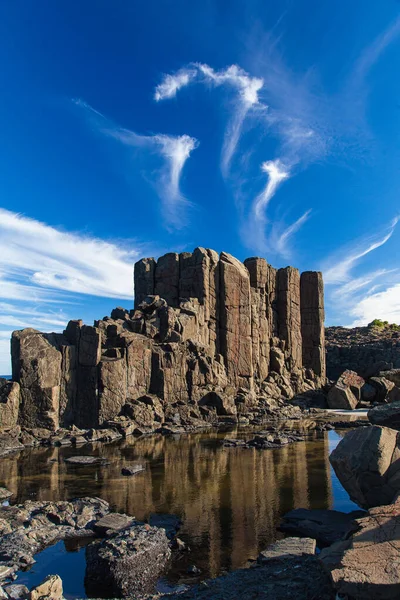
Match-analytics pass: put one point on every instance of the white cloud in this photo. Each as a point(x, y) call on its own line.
point(255, 229)
point(172, 83)
point(247, 88)
point(36, 258)
point(282, 243)
point(175, 150)
point(383, 305)
point(337, 269)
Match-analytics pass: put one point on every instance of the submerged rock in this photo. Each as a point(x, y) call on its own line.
point(132, 470)
point(85, 460)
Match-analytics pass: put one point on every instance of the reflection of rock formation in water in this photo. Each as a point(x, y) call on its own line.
point(230, 500)
point(211, 325)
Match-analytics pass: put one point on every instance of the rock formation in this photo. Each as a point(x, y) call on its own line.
point(207, 334)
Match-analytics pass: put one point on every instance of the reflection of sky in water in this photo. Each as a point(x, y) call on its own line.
point(230, 500)
point(341, 500)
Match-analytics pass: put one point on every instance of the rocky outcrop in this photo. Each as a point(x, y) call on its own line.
point(208, 335)
point(367, 464)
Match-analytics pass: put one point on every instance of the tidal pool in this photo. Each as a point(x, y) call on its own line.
point(230, 500)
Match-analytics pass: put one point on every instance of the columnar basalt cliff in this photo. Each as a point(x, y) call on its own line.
point(208, 335)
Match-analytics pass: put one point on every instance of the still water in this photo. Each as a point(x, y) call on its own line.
point(230, 500)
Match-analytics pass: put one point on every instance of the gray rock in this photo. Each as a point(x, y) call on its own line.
point(17, 591)
point(9, 441)
point(113, 522)
point(85, 460)
point(290, 546)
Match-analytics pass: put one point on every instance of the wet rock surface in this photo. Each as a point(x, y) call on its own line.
point(29, 528)
point(265, 441)
point(290, 546)
point(386, 415)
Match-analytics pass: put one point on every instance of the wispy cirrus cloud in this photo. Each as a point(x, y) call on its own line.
point(175, 151)
point(356, 298)
point(338, 268)
point(247, 96)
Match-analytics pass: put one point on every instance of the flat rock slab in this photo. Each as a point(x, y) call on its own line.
point(113, 522)
point(132, 470)
point(291, 546)
point(5, 493)
point(325, 526)
point(367, 566)
point(85, 460)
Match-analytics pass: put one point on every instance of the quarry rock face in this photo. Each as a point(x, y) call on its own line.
point(208, 334)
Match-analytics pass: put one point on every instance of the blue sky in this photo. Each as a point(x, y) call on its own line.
point(131, 129)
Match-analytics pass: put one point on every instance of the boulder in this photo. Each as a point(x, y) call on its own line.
point(325, 526)
point(85, 460)
point(132, 470)
point(290, 546)
point(392, 375)
point(127, 563)
point(50, 589)
point(340, 396)
point(16, 591)
point(383, 387)
point(367, 565)
point(366, 462)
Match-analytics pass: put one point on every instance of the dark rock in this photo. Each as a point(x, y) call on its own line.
point(382, 386)
point(4, 494)
point(325, 526)
point(193, 570)
point(170, 523)
point(128, 563)
point(9, 441)
point(132, 470)
point(9, 402)
point(387, 415)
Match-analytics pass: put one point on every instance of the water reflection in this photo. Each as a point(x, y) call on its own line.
point(229, 499)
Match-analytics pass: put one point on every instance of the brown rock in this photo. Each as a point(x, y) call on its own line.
point(367, 566)
point(260, 325)
point(9, 402)
point(50, 589)
point(89, 346)
point(289, 327)
point(235, 321)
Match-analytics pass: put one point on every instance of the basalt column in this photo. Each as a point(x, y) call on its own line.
point(289, 319)
point(312, 322)
point(167, 278)
point(144, 279)
point(260, 327)
point(235, 321)
point(199, 279)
